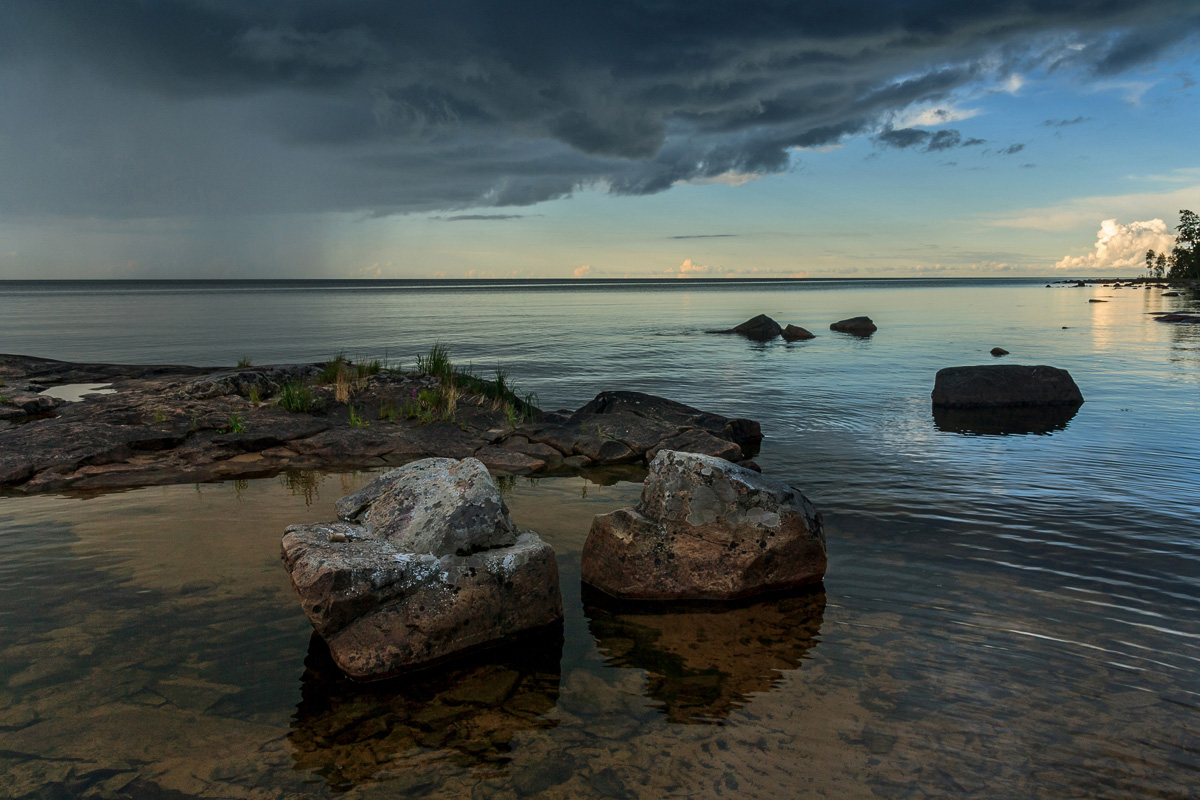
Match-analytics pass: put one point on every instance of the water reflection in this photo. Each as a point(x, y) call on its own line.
point(1003, 421)
point(350, 733)
point(703, 662)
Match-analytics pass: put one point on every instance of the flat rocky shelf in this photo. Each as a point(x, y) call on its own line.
point(181, 424)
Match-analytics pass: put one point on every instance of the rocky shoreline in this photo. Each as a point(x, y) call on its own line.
point(167, 424)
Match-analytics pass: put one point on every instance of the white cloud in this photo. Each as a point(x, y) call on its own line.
point(1013, 84)
point(689, 269)
point(583, 271)
point(928, 116)
point(1121, 246)
point(728, 178)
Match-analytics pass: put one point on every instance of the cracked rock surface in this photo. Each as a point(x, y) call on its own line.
point(424, 565)
point(705, 529)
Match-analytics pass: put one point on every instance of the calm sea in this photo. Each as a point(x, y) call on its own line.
point(1011, 610)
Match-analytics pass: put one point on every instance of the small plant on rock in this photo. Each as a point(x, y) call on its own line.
point(255, 394)
point(235, 424)
point(244, 362)
point(299, 397)
point(356, 420)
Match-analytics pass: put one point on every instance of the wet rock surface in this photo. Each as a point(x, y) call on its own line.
point(794, 333)
point(856, 326)
point(181, 424)
point(705, 529)
point(1004, 385)
point(424, 565)
point(761, 329)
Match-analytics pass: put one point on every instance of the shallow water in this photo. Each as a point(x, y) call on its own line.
point(1004, 615)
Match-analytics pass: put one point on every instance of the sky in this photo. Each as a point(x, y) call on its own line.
point(699, 139)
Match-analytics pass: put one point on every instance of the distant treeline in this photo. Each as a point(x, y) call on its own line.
point(1183, 262)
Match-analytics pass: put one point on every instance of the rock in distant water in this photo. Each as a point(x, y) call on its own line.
point(1004, 385)
point(1094, 300)
point(761, 329)
point(999, 351)
point(858, 326)
point(705, 529)
point(794, 333)
point(1170, 294)
point(424, 564)
point(1185, 319)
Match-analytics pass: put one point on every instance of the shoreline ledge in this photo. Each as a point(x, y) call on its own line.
point(170, 424)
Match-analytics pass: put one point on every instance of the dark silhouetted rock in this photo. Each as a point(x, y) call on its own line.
point(1183, 319)
point(1000, 385)
point(857, 326)
point(761, 329)
point(1170, 294)
point(1094, 300)
point(425, 564)
point(999, 351)
point(794, 333)
point(705, 529)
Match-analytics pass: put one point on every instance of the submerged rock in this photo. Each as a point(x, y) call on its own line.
point(794, 333)
point(1183, 319)
point(761, 329)
point(1000, 385)
point(857, 326)
point(705, 529)
point(425, 564)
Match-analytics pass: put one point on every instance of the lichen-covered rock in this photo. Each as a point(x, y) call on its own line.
point(705, 529)
point(383, 611)
point(435, 505)
point(267, 380)
point(383, 607)
point(1004, 385)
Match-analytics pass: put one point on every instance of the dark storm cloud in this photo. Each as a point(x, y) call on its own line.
point(163, 109)
point(926, 141)
point(477, 217)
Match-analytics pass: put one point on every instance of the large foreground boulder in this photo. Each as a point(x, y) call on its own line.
point(705, 529)
point(1004, 385)
point(424, 564)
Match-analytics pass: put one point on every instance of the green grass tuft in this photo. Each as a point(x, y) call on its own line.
point(244, 362)
point(357, 421)
point(437, 363)
point(235, 424)
point(299, 397)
